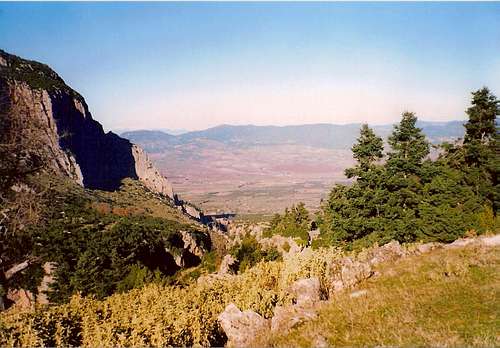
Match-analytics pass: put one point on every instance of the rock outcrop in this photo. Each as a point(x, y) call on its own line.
point(288, 317)
point(306, 291)
point(70, 142)
point(348, 273)
point(241, 327)
point(228, 265)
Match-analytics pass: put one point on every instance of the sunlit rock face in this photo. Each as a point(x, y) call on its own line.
point(74, 144)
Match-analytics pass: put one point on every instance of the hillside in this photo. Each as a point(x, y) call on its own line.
point(97, 249)
point(446, 298)
point(81, 209)
point(429, 295)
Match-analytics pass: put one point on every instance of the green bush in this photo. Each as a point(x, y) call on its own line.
point(295, 222)
point(249, 252)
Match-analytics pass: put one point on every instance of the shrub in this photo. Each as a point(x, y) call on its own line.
point(249, 252)
point(159, 314)
point(294, 222)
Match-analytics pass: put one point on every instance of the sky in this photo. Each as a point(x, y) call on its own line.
point(198, 65)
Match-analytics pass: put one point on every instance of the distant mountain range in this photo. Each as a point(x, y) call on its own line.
point(330, 136)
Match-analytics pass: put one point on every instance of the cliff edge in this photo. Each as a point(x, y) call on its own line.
point(52, 124)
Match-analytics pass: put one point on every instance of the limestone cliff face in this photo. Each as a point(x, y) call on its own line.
point(43, 108)
point(149, 175)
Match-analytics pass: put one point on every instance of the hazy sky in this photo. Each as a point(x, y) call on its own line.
point(195, 65)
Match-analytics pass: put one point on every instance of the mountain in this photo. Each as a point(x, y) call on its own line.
point(39, 107)
point(81, 210)
point(329, 136)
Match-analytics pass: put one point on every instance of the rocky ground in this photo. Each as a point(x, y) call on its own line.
point(247, 328)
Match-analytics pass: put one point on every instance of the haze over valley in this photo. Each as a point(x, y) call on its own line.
point(262, 169)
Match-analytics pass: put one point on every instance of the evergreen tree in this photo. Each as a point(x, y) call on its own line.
point(367, 150)
point(481, 129)
point(409, 146)
point(412, 198)
point(482, 117)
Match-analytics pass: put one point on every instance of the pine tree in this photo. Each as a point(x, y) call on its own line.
point(368, 149)
point(482, 116)
point(481, 129)
point(409, 146)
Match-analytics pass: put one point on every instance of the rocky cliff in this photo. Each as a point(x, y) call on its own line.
point(57, 128)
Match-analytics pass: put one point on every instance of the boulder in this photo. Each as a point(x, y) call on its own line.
point(306, 291)
point(388, 252)
point(427, 247)
point(227, 265)
point(359, 293)
point(491, 241)
point(191, 244)
point(460, 243)
point(47, 280)
point(242, 328)
point(351, 273)
point(289, 317)
point(21, 298)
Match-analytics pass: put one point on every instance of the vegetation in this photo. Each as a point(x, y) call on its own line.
point(161, 314)
point(35, 74)
point(100, 242)
point(409, 197)
point(447, 298)
point(295, 222)
point(249, 252)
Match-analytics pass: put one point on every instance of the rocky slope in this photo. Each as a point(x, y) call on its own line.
point(41, 107)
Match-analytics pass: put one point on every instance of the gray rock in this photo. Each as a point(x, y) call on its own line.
point(227, 264)
point(289, 317)
point(47, 280)
point(351, 273)
point(306, 291)
point(427, 247)
point(241, 328)
point(461, 243)
point(491, 241)
point(388, 252)
point(149, 175)
point(359, 293)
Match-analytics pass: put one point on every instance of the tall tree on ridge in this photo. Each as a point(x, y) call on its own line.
point(367, 150)
point(409, 146)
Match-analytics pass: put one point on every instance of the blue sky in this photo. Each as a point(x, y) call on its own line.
point(195, 65)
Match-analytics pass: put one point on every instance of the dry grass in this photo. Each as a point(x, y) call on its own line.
point(134, 199)
point(446, 298)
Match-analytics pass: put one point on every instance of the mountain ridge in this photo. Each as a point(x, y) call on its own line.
point(321, 135)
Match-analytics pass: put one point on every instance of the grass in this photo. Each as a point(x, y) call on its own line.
point(134, 199)
point(446, 298)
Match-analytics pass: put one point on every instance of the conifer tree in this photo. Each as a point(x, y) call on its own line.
point(409, 146)
point(481, 129)
point(368, 149)
point(482, 116)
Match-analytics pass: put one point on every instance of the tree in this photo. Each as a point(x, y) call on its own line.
point(481, 135)
point(409, 146)
point(367, 150)
point(295, 223)
point(482, 116)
